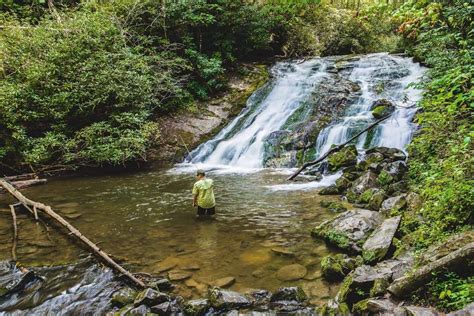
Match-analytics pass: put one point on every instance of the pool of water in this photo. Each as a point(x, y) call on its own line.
point(146, 221)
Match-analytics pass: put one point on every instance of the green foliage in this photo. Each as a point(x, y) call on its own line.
point(440, 33)
point(71, 89)
point(447, 291)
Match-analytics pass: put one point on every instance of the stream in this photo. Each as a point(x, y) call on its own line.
point(145, 219)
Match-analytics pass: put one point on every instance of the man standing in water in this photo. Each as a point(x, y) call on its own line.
point(203, 195)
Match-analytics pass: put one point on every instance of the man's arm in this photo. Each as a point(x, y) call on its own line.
point(195, 199)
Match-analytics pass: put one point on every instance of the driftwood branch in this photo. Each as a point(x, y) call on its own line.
point(73, 231)
point(407, 284)
point(15, 232)
point(335, 149)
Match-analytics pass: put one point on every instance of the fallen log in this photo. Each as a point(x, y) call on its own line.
point(15, 232)
point(335, 149)
point(405, 285)
point(73, 231)
point(21, 184)
point(25, 176)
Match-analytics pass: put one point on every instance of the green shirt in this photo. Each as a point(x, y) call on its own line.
point(204, 190)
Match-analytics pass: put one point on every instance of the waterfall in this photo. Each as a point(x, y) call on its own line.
point(245, 147)
point(378, 76)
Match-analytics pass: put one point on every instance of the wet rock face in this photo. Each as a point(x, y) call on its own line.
point(349, 229)
point(377, 245)
point(389, 154)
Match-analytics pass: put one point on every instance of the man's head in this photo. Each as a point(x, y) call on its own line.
point(200, 174)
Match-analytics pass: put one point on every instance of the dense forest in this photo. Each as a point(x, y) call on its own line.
point(83, 83)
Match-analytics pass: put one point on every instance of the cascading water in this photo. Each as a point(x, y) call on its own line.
point(241, 143)
point(378, 76)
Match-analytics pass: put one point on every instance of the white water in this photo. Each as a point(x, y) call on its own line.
point(245, 148)
point(239, 147)
point(393, 74)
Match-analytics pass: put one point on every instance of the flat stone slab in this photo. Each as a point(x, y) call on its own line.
point(179, 275)
point(283, 251)
point(224, 282)
point(348, 229)
point(376, 246)
point(292, 272)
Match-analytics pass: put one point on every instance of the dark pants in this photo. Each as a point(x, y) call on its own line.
point(206, 211)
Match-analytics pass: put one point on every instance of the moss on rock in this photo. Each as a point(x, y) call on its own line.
point(343, 158)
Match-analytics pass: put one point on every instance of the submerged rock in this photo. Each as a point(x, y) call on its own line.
point(283, 251)
point(376, 246)
point(223, 282)
point(348, 230)
point(179, 275)
point(291, 272)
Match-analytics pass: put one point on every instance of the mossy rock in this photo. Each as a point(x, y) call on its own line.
point(384, 178)
point(343, 158)
point(377, 199)
point(360, 308)
point(336, 267)
point(379, 288)
point(382, 111)
point(367, 195)
point(343, 183)
point(123, 297)
point(330, 190)
point(332, 236)
point(333, 309)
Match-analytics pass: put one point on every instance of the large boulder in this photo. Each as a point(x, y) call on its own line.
point(359, 186)
point(345, 157)
point(394, 204)
point(348, 230)
point(377, 245)
point(227, 300)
